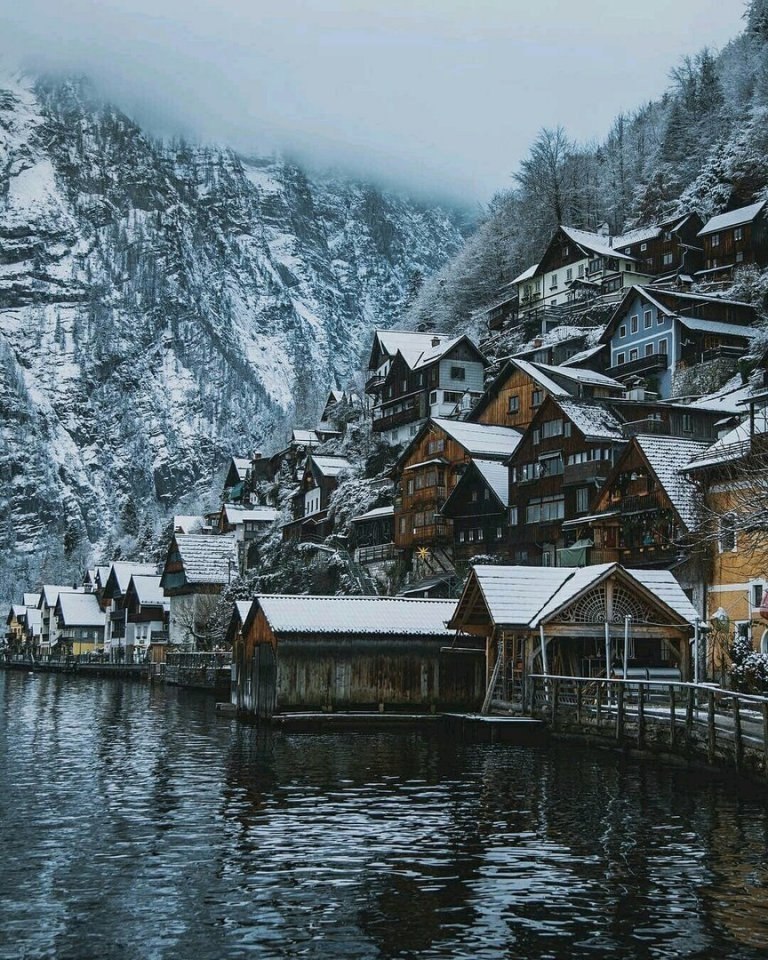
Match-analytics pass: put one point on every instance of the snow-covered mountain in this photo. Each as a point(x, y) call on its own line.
point(163, 306)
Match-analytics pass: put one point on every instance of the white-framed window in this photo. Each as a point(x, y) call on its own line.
point(537, 398)
point(643, 247)
point(620, 358)
point(553, 283)
point(739, 256)
point(582, 499)
point(513, 516)
point(647, 319)
point(569, 274)
point(715, 241)
point(633, 354)
point(663, 345)
point(480, 534)
point(633, 324)
point(659, 319)
point(667, 259)
point(648, 349)
point(623, 330)
point(581, 269)
point(513, 404)
point(738, 233)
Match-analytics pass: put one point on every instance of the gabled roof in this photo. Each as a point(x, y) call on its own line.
point(34, 621)
point(526, 274)
point(236, 514)
point(17, 610)
point(581, 376)
point(242, 465)
point(330, 466)
point(495, 475)
point(410, 344)
point(723, 221)
point(582, 356)
point(667, 457)
point(120, 574)
point(732, 446)
point(206, 559)
point(481, 439)
point(531, 596)
point(31, 599)
point(148, 591)
point(80, 610)
point(713, 326)
point(352, 616)
point(304, 436)
point(375, 514)
point(595, 243)
point(49, 594)
point(593, 420)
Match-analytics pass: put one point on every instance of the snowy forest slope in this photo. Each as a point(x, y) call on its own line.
point(702, 146)
point(163, 306)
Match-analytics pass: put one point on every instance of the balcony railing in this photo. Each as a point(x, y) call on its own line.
point(653, 363)
point(592, 470)
point(374, 383)
point(390, 421)
point(382, 551)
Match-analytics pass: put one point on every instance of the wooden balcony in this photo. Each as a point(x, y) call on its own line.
point(653, 363)
point(383, 421)
point(374, 383)
point(590, 472)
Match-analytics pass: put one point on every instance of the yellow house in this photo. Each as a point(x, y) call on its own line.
point(733, 483)
point(81, 623)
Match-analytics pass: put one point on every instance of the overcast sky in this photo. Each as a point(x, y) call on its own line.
point(443, 94)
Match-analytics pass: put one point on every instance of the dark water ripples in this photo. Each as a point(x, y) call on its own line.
point(136, 823)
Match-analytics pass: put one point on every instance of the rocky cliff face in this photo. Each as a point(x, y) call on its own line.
point(163, 306)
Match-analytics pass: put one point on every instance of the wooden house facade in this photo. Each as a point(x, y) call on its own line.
point(301, 653)
point(734, 239)
point(571, 622)
point(428, 471)
point(477, 509)
point(565, 454)
point(312, 498)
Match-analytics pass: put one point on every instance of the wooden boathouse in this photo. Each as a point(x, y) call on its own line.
point(593, 621)
point(302, 653)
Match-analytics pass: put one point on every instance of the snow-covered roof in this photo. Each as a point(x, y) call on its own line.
point(496, 475)
point(715, 326)
point(636, 236)
point(17, 610)
point(331, 466)
point(480, 438)
point(375, 514)
point(594, 242)
point(435, 353)
point(667, 457)
point(583, 355)
point(207, 559)
point(243, 608)
point(536, 373)
point(526, 274)
point(31, 599)
point(149, 591)
point(733, 219)
point(731, 446)
point(383, 616)
point(34, 621)
point(125, 569)
point(236, 514)
point(592, 419)
point(242, 465)
point(529, 596)
point(183, 523)
point(49, 594)
point(410, 344)
point(581, 375)
point(80, 610)
point(728, 400)
point(304, 436)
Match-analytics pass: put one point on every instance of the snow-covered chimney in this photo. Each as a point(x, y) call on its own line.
point(604, 230)
point(435, 341)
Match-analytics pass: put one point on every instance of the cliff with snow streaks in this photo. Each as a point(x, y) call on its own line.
point(163, 306)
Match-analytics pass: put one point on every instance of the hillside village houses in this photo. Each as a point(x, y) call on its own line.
point(591, 447)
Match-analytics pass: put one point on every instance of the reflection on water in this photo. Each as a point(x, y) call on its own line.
point(135, 823)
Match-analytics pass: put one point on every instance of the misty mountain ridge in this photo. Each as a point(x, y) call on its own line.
point(164, 305)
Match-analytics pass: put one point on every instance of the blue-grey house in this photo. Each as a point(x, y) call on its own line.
point(654, 333)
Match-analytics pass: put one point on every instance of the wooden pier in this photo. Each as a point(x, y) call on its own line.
point(696, 723)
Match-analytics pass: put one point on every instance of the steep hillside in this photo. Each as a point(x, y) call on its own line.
point(162, 306)
point(702, 146)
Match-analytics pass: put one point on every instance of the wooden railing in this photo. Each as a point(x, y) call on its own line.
point(701, 721)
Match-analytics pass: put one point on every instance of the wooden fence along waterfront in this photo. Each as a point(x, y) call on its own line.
point(696, 721)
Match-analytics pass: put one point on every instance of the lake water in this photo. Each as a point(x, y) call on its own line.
point(135, 823)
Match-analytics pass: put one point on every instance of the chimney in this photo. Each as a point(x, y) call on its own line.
point(604, 230)
point(435, 341)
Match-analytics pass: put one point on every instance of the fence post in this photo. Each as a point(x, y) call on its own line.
point(555, 698)
point(578, 703)
point(738, 743)
point(711, 730)
point(598, 703)
point(620, 712)
point(640, 715)
point(671, 716)
point(689, 717)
